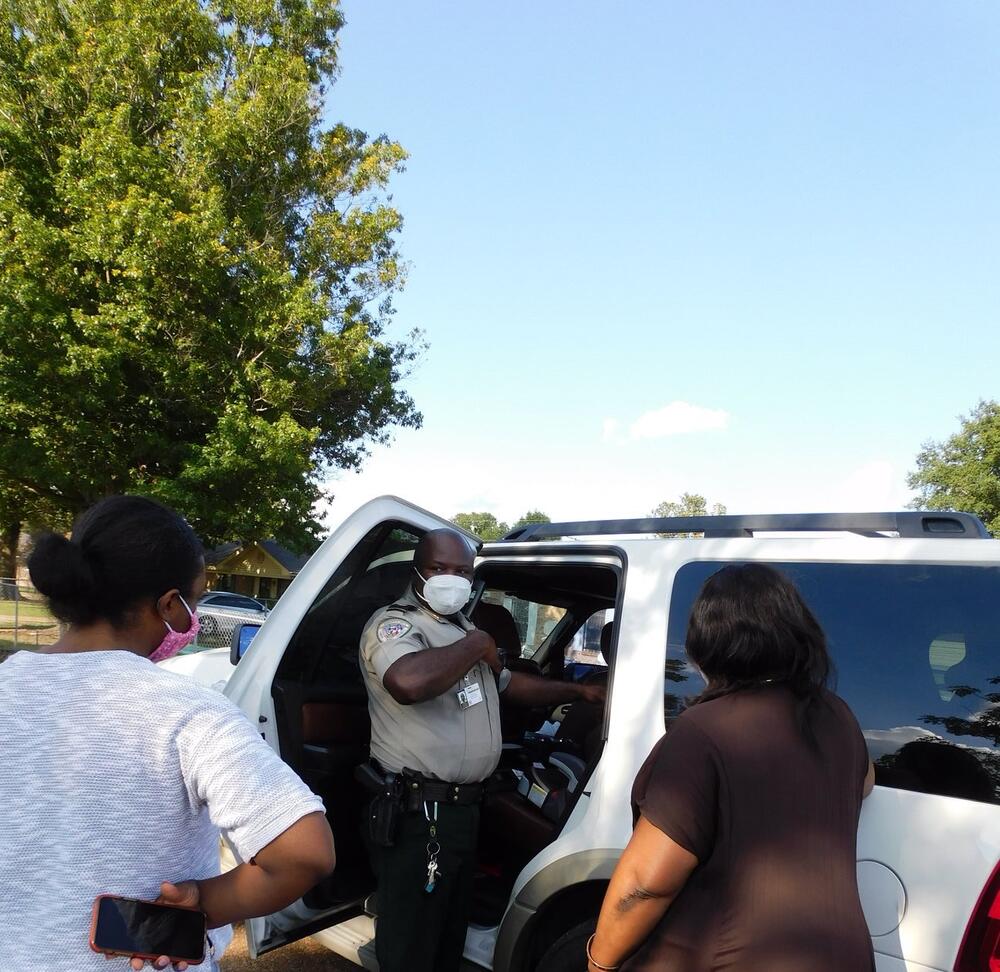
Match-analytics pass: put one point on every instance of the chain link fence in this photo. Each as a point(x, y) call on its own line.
point(218, 625)
point(25, 620)
point(27, 623)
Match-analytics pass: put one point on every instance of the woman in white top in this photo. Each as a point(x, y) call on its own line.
point(116, 777)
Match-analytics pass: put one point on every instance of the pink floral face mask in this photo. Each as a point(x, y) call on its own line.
point(174, 641)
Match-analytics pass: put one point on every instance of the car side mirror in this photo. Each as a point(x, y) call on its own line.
point(242, 636)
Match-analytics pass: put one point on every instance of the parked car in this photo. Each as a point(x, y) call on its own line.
point(227, 599)
point(911, 606)
point(220, 612)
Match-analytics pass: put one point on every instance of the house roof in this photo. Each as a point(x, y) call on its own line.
point(292, 562)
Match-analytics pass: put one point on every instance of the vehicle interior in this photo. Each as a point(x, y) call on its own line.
point(537, 614)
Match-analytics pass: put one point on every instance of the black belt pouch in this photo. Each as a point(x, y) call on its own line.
point(384, 808)
point(383, 820)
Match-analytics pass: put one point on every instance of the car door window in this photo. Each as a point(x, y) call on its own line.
point(916, 650)
point(535, 620)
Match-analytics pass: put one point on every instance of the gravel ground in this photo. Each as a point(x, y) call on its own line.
point(304, 956)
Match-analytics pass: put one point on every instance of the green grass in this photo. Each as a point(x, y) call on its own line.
point(24, 609)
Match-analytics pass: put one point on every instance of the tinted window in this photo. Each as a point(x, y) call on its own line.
point(916, 649)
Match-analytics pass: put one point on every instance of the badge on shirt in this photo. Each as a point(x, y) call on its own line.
point(469, 696)
point(392, 629)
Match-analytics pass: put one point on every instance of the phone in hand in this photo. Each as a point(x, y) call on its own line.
point(128, 926)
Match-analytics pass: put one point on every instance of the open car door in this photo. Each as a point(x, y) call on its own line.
point(301, 683)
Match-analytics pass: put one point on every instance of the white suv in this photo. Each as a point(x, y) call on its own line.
point(911, 606)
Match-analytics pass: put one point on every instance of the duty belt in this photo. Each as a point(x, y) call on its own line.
point(412, 789)
point(426, 790)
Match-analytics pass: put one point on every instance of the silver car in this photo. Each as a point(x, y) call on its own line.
point(220, 612)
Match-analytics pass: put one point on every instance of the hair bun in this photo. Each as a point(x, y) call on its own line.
point(59, 569)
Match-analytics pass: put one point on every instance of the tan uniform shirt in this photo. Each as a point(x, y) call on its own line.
point(439, 737)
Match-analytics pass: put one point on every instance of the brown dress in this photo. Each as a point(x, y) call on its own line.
point(773, 824)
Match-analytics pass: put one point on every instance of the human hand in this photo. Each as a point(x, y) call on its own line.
point(487, 647)
point(594, 694)
point(185, 895)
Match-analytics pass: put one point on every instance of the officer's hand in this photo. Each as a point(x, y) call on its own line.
point(487, 649)
point(595, 694)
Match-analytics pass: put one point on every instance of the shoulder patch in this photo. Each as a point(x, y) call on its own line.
point(392, 629)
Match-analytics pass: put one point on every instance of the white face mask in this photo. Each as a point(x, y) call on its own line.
point(446, 593)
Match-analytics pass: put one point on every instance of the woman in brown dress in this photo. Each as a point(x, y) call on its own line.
point(743, 854)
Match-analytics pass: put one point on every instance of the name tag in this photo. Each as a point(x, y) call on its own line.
point(469, 696)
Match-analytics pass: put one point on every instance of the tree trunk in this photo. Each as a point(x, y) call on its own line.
point(10, 536)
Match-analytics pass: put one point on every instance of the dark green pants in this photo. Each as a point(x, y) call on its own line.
point(416, 930)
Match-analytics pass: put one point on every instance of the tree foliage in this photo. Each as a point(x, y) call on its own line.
point(484, 525)
point(488, 527)
point(195, 273)
point(963, 472)
point(689, 504)
point(532, 516)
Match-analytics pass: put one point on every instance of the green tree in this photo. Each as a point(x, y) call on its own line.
point(196, 274)
point(532, 516)
point(689, 504)
point(484, 525)
point(963, 472)
point(18, 508)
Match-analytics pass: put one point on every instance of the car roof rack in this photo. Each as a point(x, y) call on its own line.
point(909, 523)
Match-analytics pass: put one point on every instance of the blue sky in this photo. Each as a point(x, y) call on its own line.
point(746, 250)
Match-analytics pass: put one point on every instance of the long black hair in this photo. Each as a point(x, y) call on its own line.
point(123, 550)
point(749, 627)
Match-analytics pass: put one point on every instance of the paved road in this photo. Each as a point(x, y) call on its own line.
point(304, 956)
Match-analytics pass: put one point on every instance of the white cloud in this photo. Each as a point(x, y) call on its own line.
point(677, 418)
point(609, 429)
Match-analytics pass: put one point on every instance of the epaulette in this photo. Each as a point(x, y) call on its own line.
point(401, 607)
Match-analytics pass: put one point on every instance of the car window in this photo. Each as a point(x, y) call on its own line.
point(535, 620)
point(585, 646)
point(916, 649)
point(232, 600)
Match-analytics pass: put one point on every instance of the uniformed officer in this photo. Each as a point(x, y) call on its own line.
point(434, 682)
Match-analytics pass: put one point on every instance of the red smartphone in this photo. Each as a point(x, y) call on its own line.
point(128, 926)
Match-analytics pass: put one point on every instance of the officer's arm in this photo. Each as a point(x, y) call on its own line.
point(530, 690)
point(422, 675)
